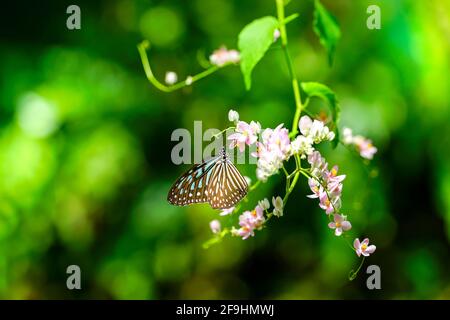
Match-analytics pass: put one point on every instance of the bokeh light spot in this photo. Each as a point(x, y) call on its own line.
point(37, 117)
point(162, 26)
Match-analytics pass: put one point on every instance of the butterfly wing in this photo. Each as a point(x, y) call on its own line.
point(191, 187)
point(226, 186)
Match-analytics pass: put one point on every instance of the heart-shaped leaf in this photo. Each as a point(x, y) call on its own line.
point(254, 40)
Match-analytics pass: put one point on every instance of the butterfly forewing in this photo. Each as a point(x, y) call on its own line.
point(227, 186)
point(191, 187)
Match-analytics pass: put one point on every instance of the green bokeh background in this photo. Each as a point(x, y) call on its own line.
point(85, 152)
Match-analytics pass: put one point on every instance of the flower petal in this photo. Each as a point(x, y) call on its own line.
point(346, 225)
point(356, 244)
point(371, 249)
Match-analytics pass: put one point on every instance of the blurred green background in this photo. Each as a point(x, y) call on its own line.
point(85, 152)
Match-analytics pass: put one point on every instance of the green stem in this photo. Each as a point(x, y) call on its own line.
point(143, 46)
point(285, 171)
point(295, 86)
point(221, 132)
point(291, 185)
point(254, 186)
point(352, 275)
point(345, 237)
point(216, 239)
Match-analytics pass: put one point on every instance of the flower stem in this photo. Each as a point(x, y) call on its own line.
point(294, 176)
point(221, 132)
point(143, 46)
point(295, 86)
point(352, 275)
point(216, 239)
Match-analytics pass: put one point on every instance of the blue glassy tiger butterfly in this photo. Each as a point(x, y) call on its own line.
point(216, 181)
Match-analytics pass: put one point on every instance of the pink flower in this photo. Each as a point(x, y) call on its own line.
point(222, 56)
point(228, 211)
point(244, 232)
point(245, 134)
point(315, 130)
point(253, 219)
point(277, 141)
point(364, 146)
point(329, 205)
point(249, 221)
point(325, 184)
point(315, 187)
point(318, 164)
point(363, 248)
point(215, 226)
point(335, 189)
point(332, 177)
point(340, 224)
point(272, 151)
point(333, 182)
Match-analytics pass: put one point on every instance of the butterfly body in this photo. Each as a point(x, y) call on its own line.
point(216, 181)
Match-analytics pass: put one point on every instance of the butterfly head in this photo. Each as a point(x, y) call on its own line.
point(223, 153)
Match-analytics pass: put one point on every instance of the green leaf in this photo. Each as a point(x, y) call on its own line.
point(254, 40)
point(315, 89)
point(327, 29)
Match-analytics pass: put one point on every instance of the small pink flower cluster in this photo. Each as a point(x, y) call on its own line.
point(364, 146)
point(249, 221)
point(312, 132)
point(222, 56)
point(325, 184)
point(272, 151)
point(316, 130)
point(245, 134)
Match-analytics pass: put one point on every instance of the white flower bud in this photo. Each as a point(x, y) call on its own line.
point(171, 77)
point(233, 116)
point(215, 226)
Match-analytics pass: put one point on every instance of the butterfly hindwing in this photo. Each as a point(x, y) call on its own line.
point(227, 186)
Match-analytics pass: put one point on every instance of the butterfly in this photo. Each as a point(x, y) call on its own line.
point(216, 181)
